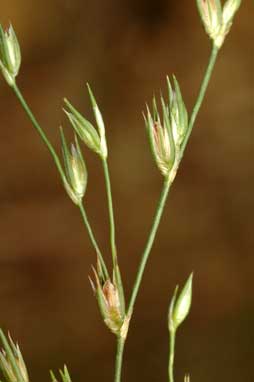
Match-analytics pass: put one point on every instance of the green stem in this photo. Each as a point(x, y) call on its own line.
point(149, 244)
point(201, 95)
point(119, 359)
point(165, 192)
point(111, 211)
point(171, 356)
point(39, 130)
point(59, 167)
point(93, 240)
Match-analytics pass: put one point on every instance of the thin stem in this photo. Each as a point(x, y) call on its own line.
point(119, 359)
point(201, 95)
point(165, 192)
point(39, 129)
point(149, 244)
point(92, 238)
point(59, 167)
point(171, 356)
point(111, 211)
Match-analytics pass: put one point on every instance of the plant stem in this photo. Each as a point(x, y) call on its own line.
point(59, 167)
point(39, 129)
point(93, 240)
point(164, 194)
point(119, 359)
point(149, 244)
point(111, 211)
point(201, 95)
point(171, 356)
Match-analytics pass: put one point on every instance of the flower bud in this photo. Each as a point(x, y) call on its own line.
point(217, 21)
point(86, 131)
point(10, 55)
point(211, 15)
point(180, 307)
point(166, 134)
point(110, 301)
point(83, 128)
point(11, 361)
point(76, 174)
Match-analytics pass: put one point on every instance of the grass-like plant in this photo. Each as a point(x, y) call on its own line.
point(169, 127)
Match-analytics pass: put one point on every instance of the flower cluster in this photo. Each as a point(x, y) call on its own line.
point(217, 20)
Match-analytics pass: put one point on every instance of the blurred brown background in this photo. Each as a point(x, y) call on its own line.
point(124, 49)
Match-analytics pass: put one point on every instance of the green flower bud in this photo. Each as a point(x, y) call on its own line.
point(180, 307)
point(10, 55)
point(96, 141)
point(83, 128)
point(166, 134)
point(76, 174)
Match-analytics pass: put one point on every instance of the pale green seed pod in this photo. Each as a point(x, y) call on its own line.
point(76, 174)
point(10, 55)
point(180, 306)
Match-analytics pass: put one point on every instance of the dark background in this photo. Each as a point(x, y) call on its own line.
point(124, 49)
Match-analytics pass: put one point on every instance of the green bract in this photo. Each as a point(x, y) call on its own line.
point(10, 56)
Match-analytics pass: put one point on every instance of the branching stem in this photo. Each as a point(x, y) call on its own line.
point(162, 202)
